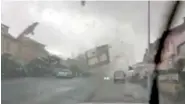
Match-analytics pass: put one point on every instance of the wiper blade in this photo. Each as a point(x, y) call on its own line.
point(154, 97)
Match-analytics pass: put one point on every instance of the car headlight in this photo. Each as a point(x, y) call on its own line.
point(106, 78)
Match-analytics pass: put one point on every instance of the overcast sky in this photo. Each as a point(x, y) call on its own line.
point(67, 28)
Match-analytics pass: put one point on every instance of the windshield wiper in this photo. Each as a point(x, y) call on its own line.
point(154, 97)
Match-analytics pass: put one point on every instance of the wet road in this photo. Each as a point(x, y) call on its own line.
point(109, 92)
point(43, 90)
point(71, 91)
point(68, 91)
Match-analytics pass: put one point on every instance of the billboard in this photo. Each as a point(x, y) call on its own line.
point(98, 56)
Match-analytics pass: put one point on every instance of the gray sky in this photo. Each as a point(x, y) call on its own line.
point(67, 28)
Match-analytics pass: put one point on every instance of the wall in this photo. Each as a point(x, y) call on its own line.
point(24, 50)
point(8, 42)
point(29, 51)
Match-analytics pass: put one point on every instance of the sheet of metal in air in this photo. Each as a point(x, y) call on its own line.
point(98, 56)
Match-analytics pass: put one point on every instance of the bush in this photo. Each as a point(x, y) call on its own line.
point(38, 67)
point(75, 69)
point(10, 68)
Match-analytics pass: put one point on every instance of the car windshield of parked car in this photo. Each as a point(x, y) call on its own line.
point(89, 52)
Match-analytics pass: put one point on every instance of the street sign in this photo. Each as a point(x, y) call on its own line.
point(98, 56)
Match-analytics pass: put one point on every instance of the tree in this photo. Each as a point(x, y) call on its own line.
point(10, 68)
point(75, 69)
point(43, 65)
point(38, 67)
point(54, 59)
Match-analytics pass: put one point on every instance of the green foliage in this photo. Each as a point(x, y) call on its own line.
point(38, 67)
point(42, 66)
point(75, 69)
point(10, 68)
point(53, 59)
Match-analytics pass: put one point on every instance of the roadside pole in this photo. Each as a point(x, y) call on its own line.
point(149, 77)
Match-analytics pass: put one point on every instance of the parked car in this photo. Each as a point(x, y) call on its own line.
point(64, 73)
point(119, 76)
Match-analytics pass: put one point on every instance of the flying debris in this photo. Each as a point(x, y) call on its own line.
point(29, 30)
point(98, 56)
point(83, 2)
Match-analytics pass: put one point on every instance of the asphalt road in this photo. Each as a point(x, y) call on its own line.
point(45, 90)
point(109, 92)
point(72, 91)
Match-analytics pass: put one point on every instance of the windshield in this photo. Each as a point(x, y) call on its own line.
point(92, 41)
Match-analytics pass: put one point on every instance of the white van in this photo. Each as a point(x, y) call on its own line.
point(64, 73)
point(119, 76)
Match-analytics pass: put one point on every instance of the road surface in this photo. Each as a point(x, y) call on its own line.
point(109, 92)
point(65, 91)
point(44, 90)
point(71, 91)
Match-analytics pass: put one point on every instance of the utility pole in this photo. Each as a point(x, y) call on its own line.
point(149, 77)
point(149, 26)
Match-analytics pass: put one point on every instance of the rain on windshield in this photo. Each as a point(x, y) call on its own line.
point(87, 52)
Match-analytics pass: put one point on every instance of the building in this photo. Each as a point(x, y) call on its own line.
point(30, 49)
point(150, 53)
point(174, 48)
point(24, 49)
point(8, 42)
point(182, 51)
